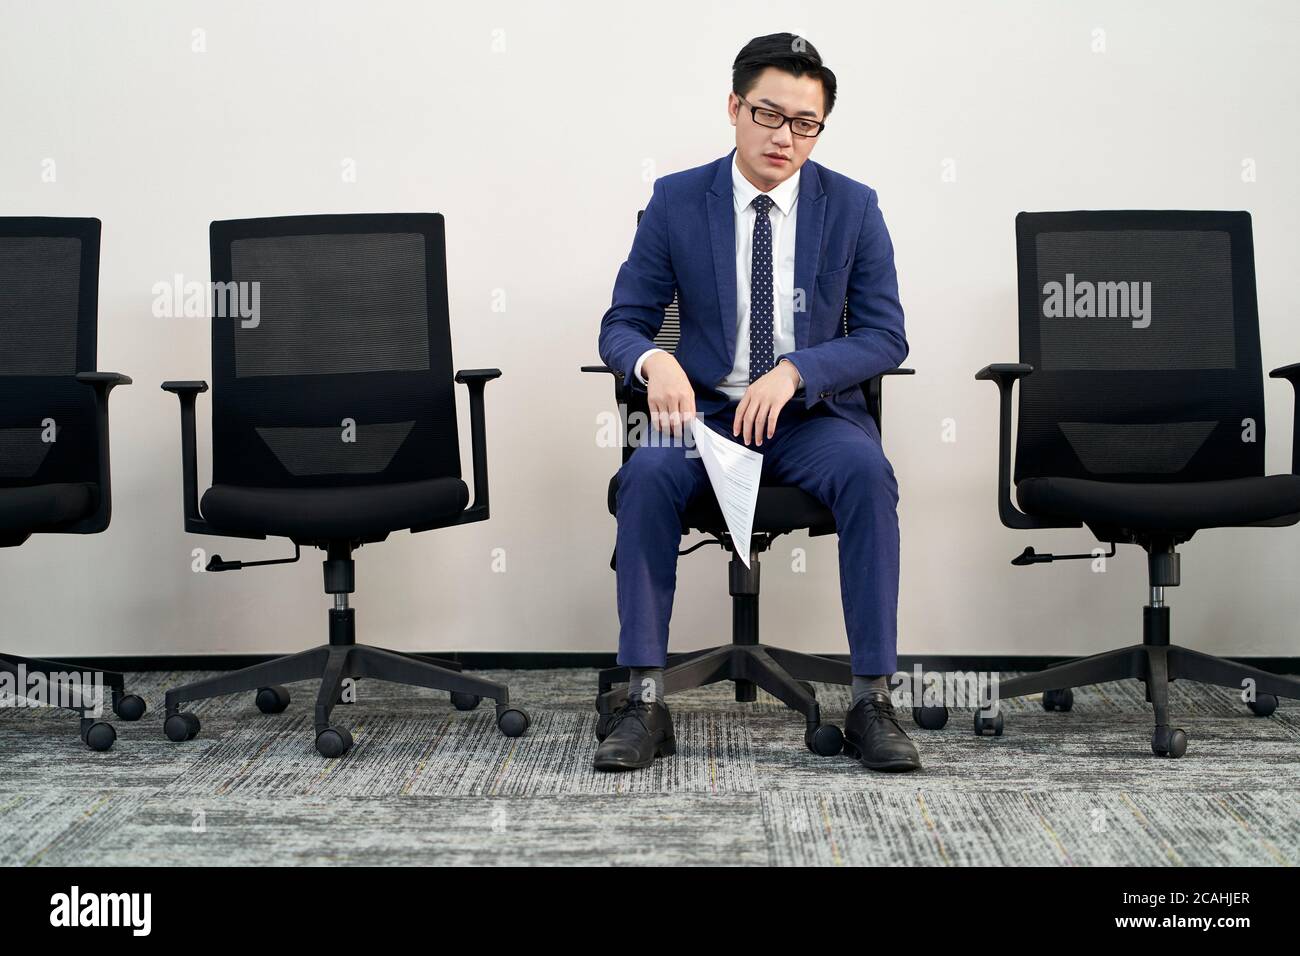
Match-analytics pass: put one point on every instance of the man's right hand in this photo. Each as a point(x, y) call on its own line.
point(672, 399)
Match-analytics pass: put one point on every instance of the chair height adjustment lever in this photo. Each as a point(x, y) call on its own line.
point(1030, 556)
point(702, 544)
point(217, 563)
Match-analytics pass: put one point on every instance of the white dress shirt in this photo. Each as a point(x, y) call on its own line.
point(783, 214)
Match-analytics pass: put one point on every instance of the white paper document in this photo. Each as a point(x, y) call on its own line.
point(733, 472)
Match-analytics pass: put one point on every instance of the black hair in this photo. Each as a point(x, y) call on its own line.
point(786, 52)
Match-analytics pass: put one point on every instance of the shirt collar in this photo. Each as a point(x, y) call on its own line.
point(744, 191)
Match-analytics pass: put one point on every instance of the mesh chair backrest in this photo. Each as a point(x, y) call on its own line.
point(49, 287)
point(1144, 336)
point(669, 335)
point(331, 351)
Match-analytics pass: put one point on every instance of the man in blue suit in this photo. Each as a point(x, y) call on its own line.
point(762, 247)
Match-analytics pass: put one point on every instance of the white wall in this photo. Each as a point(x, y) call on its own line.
point(538, 157)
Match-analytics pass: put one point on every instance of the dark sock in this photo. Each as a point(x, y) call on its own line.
point(863, 685)
point(645, 684)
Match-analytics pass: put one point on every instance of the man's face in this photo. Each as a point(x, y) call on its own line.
point(768, 157)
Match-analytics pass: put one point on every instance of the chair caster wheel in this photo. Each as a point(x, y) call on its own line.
point(602, 726)
point(1262, 705)
point(463, 701)
point(930, 718)
point(825, 740)
point(513, 722)
point(1061, 700)
point(272, 700)
point(181, 727)
point(99, 735)
point(988, 726)
point(333, 742)
point(130, 707)
point(1168, 743)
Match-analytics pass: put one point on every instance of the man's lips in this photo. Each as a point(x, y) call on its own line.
point(776, 158)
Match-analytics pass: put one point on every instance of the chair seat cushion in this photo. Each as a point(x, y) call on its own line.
point(780, 508)
point(317, 514)
point(46, 507)
point(1163, 506)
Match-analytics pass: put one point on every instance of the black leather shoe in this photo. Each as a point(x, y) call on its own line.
point(872, 734)
point(638, 733)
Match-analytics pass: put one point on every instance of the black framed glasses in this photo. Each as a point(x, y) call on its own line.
point(799, 125)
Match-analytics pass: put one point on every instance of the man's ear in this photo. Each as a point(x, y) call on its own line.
point(733, 107)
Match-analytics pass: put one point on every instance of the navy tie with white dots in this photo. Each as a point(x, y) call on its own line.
point(760, 291)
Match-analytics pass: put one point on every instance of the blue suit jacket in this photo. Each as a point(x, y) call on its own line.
point(686, 241)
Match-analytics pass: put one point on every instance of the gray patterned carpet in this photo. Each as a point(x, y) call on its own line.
point(426, 784)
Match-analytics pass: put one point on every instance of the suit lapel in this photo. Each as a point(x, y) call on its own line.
point(809, 220)
point(722, 236)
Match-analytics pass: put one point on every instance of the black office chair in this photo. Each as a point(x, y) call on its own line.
point(781, 509)
point(1141, 417)
point(54, 468)
point(333, 425)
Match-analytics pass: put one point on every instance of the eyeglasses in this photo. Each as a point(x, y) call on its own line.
point(799, 125)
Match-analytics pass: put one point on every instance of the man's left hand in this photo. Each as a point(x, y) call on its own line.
point(763, 401)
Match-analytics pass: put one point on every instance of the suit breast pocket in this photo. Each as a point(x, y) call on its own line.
point(835, 275)
point(830, 289)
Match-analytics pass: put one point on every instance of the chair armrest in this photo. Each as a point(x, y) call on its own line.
point(631, 397)
point(1288, 372)
point(1292, 374)
point(1006, 375)
point(177, 388)
point(103, 383)
point(106, 381)
point(476, 379)
point(188, 392)
point(623, 390)
point(468, 376)
point(872, 390)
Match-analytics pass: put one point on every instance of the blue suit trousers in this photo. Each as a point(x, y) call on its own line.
point(828, 457)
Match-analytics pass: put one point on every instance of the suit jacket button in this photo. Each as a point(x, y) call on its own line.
point(826, 395)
